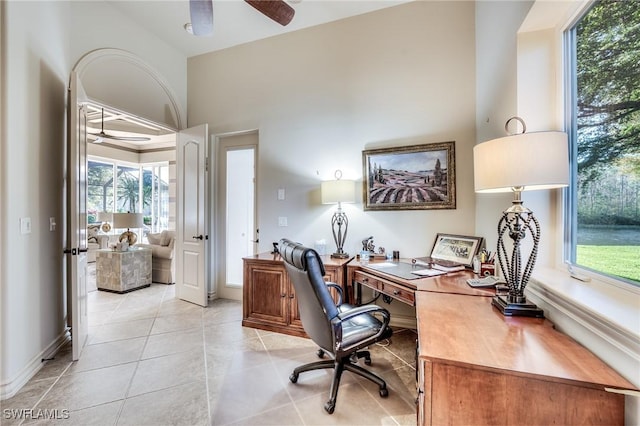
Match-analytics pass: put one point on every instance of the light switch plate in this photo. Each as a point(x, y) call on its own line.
point(25, 225)
point(282, 221)
point(281, 194)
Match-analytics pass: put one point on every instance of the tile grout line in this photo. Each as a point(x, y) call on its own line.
point(146, 341)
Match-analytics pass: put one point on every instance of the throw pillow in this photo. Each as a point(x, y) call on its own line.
point(154, 238)
point(92, 232)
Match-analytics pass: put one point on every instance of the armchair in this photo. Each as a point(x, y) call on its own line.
point(95, 241)
point(162, 251)
point(340, 330)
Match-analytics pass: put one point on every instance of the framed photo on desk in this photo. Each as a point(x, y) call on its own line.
point(456, 248)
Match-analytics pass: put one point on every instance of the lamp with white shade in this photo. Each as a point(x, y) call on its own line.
point(339, 191)
point(516, 163)
point(106, 218)
point(128, 220)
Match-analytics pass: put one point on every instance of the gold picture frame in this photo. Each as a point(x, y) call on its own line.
point(410, 177)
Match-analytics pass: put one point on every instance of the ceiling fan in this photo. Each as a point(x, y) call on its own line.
point(202, 13)
point(102, 135)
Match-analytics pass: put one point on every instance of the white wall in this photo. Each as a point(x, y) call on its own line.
point(41, 43)
point(320, 96)
point(36, 71)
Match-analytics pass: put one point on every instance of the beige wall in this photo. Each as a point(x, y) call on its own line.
point(400, 76)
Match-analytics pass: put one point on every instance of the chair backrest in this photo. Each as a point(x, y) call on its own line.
point(315, 304)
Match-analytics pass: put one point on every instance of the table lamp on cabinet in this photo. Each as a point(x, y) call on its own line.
point(128, 220)
point(516, 163)
point(339, 191)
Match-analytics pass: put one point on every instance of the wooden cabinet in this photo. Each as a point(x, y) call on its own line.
point(269, 300)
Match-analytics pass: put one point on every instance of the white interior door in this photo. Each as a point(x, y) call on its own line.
point(191, 208)
point(76, 245)
point(237, 231)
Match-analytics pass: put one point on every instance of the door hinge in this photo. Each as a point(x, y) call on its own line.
point(206, 164)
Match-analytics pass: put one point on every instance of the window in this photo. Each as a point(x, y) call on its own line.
point(99, 189)
point(604, 224)
point(117, 187)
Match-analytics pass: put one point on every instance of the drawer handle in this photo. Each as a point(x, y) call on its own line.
point(291, 296)
point(283, 295)
point(365, 280)
point(396, 292)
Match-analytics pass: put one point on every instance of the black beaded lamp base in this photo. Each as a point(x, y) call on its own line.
point(519, 309)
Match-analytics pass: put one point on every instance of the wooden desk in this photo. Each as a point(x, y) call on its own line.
point(478, 367)
point(402, 289)
point(269, 300)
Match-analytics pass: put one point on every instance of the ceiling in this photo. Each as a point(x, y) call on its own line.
point(235, 22)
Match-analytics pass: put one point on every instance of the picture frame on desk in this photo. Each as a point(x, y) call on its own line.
point(456, 248)
point(410, 177)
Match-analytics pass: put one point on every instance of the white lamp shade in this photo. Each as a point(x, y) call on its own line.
point(127, 220)
point(338, 191)
point(538, 160)
point(105, 217)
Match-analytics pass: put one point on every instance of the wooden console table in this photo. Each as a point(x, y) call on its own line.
point(478, 367)
point(269, 300)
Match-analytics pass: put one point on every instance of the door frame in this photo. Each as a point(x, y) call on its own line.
point(121, 59)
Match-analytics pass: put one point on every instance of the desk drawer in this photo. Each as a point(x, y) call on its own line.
point(398, 292)
point(368, 280)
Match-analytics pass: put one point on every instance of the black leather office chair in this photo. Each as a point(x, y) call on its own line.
point(340, 330)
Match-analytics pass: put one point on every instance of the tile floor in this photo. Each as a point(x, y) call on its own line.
point(152, 359)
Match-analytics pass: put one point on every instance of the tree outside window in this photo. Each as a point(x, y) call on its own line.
point(607, 110)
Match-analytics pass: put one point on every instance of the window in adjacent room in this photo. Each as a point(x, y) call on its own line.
point(604, 224)
point(100, 184)
point(116, 187)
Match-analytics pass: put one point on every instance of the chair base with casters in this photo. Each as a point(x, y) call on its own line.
point(342, 331)
point(346, 363)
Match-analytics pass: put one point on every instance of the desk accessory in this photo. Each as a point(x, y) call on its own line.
point(516, 163)
point(339, 191)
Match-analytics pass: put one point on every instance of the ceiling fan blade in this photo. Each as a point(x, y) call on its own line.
point(102, 135)
point(201, 17)
point(278, 10)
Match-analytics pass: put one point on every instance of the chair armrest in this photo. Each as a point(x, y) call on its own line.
point(339, 289)
point(359, 310)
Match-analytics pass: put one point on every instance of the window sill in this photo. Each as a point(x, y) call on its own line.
point(602, 316)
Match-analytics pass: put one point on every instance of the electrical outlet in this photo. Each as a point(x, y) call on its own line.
point(282, 221)
point(281, 194)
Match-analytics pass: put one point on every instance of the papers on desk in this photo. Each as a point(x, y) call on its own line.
point(428, 272)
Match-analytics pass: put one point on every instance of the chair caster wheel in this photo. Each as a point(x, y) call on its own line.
point(320, 353)
point(329, 407)
point(293, 378)
point(384, 393)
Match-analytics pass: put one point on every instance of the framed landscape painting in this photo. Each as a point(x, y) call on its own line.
point(410, 177)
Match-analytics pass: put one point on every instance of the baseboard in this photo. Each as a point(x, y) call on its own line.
point(11, 387)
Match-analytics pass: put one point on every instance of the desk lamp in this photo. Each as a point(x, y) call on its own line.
point(128, 220)
point(516, 163)
point(338, 191)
